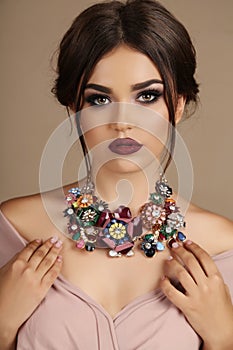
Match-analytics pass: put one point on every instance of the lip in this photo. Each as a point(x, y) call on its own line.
point(124, 146)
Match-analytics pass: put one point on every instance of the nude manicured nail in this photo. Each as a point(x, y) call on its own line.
point(59, 258)
point(58, 244)
point(54, 239)
point(175, 245)
point(38, 240)
point(188, 242)
point(170, 258)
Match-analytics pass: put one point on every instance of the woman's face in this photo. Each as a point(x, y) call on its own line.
point(125, 93)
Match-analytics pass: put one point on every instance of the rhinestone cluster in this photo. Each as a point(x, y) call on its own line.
point(91, 224)
point(162, 218)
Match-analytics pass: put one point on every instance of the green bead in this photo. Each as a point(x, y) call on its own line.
point(149, 237)
point(76, 236)
point(156, 198)
point(167, 232)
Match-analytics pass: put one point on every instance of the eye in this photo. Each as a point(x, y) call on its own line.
point(97, 100)
point(149, 96)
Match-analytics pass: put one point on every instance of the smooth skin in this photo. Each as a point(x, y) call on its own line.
point(26, 279)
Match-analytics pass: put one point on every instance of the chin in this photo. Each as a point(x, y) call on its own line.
point(124, 166)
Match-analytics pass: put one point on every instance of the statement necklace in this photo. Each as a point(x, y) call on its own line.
point(92, 225)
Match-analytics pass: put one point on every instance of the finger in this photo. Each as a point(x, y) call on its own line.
point(206, 262)
point(49, 259)
point(52, 273)
point(177, 273)
point(28, 251)
point(176, 297)
point(190, 262)
point(42, 251)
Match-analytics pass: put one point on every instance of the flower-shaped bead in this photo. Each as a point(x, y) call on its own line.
point(163, 189)
point(152, 214)
point(72, 228)
point(70, 199)
point(175, 220)
point(167, 232)
point(68, 212)
point(84, 201)
point(156, 198)
point(88, 216)
point(75, 190)
point(117, 229)
point(100, 205)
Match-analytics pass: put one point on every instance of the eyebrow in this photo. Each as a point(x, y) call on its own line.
point(135, 87)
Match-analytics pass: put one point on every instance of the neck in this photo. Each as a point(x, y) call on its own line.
point(130, 189)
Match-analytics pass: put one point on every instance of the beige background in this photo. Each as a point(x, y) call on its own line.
point(30, 31)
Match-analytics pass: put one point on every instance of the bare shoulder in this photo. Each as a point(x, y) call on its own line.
point(212, 231)
point(23, 214)
point(38, 215)
point(20, 207)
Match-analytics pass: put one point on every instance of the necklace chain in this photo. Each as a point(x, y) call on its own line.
point(92, 225)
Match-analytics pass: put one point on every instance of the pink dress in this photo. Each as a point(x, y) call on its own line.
point(69, 319)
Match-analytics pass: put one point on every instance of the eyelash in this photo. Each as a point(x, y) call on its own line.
point(92, 98)
point(153, 92)
point(156, 93)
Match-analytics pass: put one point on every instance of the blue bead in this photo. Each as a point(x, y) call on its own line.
point(159, 246)
point(181, 236)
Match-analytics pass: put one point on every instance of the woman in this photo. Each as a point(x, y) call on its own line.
point(137, 61)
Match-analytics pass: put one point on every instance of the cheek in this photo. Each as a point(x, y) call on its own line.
point(161, 108)
point(153, 131)
point(96, 136)
point(154, 142)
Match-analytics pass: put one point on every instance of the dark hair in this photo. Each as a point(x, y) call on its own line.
point(144, 25)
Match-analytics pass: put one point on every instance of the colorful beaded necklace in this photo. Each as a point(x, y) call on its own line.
point(92, 225)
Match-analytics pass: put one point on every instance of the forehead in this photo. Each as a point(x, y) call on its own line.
point(124, 64)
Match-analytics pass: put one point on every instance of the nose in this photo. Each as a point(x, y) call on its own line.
point(120, 118)
point(119, 126)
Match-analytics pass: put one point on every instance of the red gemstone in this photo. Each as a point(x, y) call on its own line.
point(104, 216)
point(162, 237)
point(124, 212)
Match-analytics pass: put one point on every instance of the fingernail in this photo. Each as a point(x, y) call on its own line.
point(59, 258)
point(188, 242)
point(58, 244)
point(54, 239)
point(38, 240)
point(175, 245)
point(170, 258)
point(163, 278)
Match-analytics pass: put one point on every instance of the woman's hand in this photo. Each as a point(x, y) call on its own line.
point(24, 282)
point(206, 302)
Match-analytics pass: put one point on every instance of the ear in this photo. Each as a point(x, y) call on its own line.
point(180, 108)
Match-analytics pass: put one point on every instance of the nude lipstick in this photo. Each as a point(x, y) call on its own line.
point(124, 146)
